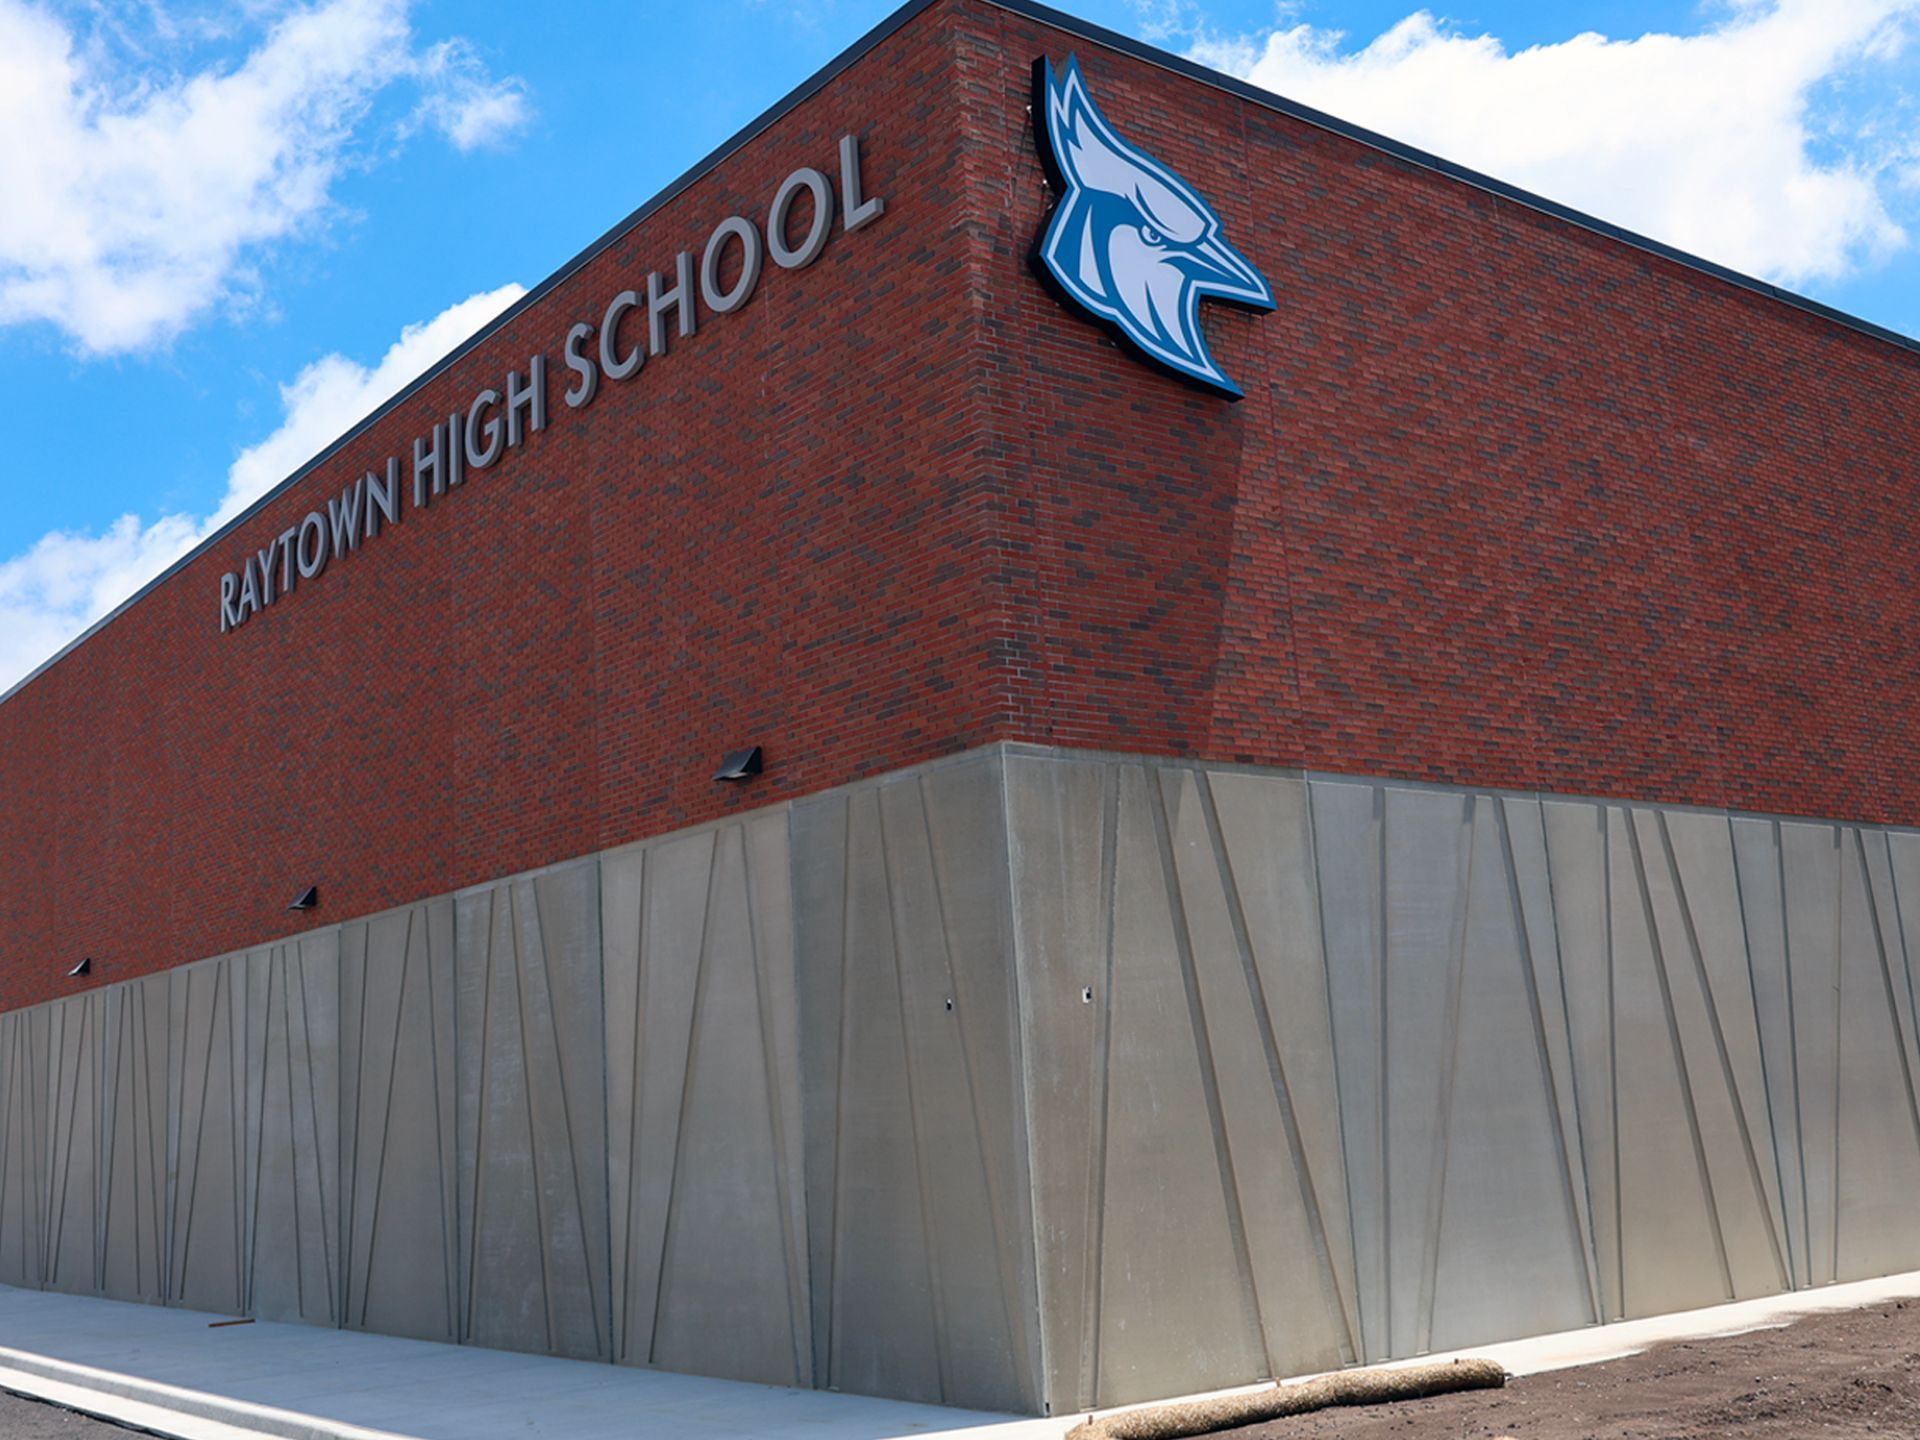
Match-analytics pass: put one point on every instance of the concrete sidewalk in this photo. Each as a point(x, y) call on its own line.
point(171, 1372)
point(167, 1371)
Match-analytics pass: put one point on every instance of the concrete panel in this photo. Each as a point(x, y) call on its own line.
point(655, 927)
point(1265, 854)
point(532, 1263)
point(293, 1129)
point(207, 1244)
point(1903, 855)
point(1757, 854)
point(1688, 876)
point(134, 1141)
point(622, 904)
point(965, 888)
point(1530, 875)
point(1504, 1246)
point(885, 1307)
point(1425, 863)
point(1348, 827)
point(1890, 934)
point(730, 1269)
point(24, 1077)
point(769, 882)
point(1398, 882)
point(818, 830)
point(1175, 1294)
point(1176, 1275)
point(1810, 884)
point(1283, 1267)
point(72, 1177)
point(964, 1142)
point(709, 1245)
point(1877, 1120)
point(1061, 815)
point(918, 1249)
point(1579, 880)
point(397, 1085)
point(1673, 1251)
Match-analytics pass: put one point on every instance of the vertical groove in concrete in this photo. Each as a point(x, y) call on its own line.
point(1101, 1108)
point(1839, 1040)
point(1779, 1151)
point(1443, 1091)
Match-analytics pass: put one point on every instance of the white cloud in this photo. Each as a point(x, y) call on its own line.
point(1160, 21)
point(67, 580)
point(133, 204)
point(464, 103)
point(334, 392)
point(1729, 143)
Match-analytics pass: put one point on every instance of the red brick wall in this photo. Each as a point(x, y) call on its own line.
point(770, 534)
point(1507, 503)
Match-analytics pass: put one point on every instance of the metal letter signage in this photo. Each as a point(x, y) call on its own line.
point(501, 419)
point(1130, 242)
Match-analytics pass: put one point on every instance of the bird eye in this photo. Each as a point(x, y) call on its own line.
point(1150, 235)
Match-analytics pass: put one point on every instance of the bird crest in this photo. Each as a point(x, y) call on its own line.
point(1130, 242)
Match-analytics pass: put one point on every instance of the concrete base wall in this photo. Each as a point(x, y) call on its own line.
point(1325, 1071)
point(1030, 1079)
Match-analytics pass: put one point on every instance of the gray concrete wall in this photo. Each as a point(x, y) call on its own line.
point(1028, 1079)
point(1328, 1070)
point(640, 1107)
point(917, 1199)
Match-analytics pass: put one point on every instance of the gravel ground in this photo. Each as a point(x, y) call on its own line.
point(22, 1419)
point(1829, 1377)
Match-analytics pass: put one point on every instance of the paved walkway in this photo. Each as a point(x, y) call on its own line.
point(168, 1371)
point(171, 1372)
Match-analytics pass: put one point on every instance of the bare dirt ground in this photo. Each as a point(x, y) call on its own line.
point(22, 1419)
point(1854, 1373)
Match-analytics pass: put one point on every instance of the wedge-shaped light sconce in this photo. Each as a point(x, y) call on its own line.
point(740, 765)
point(309, 898)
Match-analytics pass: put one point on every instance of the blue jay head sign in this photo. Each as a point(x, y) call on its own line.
point(1130, 242)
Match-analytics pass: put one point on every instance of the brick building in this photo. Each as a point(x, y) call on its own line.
point(1416, 854)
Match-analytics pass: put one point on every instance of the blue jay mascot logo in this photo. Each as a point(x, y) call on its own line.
point(1130, 242)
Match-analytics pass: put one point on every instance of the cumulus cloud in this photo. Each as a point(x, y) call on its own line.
point(68, 579)
point(135, 203)
point(335, 392)
point(1754, 142)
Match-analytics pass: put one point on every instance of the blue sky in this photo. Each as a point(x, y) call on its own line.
point(231, 212)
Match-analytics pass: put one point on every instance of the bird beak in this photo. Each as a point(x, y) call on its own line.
point(1227, 269)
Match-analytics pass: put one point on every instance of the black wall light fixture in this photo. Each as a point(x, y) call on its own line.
point(309, 898)
point(740, 765)
point(85, 967)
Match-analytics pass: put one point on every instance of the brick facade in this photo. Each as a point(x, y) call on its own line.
point(1508, 502)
